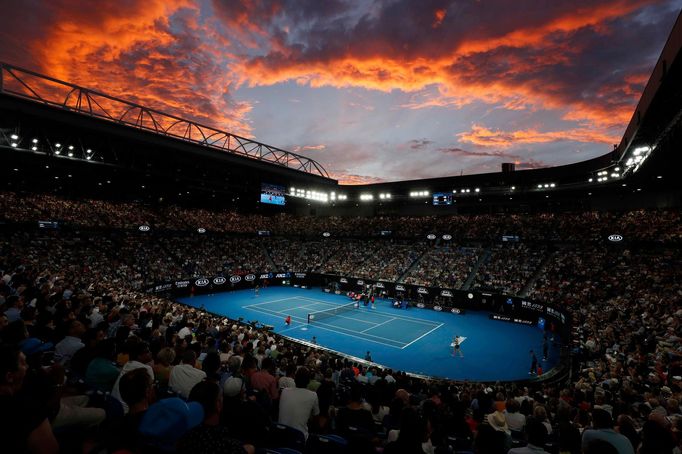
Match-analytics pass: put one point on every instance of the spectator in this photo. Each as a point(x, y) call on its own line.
point(537, 437)
point(184, 376)
point(298, 405)
point(65, 349)
point(210, 436)
point(603, 430)
point(24, 426)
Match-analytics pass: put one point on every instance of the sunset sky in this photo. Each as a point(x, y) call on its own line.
point(374, 90)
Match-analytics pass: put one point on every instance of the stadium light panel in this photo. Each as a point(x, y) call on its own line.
point(34, 148)
point(34, 140)
point(14, 137)
point(539, 186)
point(477, 189)
point(552, 185)
point(57, 152)
point(88, 157)
point(70, 154)
point(14, 144)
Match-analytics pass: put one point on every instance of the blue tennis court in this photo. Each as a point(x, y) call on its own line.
point(413, 340)
point(363, 322)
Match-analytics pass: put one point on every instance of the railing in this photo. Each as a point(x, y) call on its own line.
point(36, 87)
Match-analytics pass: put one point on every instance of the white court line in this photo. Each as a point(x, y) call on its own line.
point(337, 330)
point(428, 332)
point(412, 319)
point(376, 326)
point(273, 301)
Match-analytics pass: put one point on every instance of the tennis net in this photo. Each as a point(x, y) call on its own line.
point(321, 315)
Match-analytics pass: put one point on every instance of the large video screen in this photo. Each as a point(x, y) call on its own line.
point(272, 194)
point(442, 198)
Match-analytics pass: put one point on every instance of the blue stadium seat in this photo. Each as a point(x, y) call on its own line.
point(327, 444)
point(283, 436)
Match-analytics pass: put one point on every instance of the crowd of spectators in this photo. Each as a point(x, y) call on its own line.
point(508, 268)
point(446, 266)
point(90, 363)
point(639, 225)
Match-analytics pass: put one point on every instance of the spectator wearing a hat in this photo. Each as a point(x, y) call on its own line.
point(210, 436)
point(603, 430)
point(298, 405)
point(167, 421)
point(241, 414)
point(184, 376)
point(497, 421)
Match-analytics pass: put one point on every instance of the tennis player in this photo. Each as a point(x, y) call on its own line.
point(456, 346)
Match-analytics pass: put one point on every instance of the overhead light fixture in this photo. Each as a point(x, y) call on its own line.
point(14, 137)
point(34, 140)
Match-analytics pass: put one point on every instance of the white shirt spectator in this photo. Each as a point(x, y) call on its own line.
point(184, 332)
point(296, 406)
point(516, 421)
point(183, 377)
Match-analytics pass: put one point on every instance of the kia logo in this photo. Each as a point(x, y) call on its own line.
point(326, 234)
point(420, 305)
point(422, 290)
point(219, 280)
point(250, 277)
point(144, 228)
point(437, 308)
point(201, 230)
point(430, 236)
point(615, 238)
point(454, 310)
point(446, 293)
point(361, 282)
point(447, 237)
point(201, 282)
point(400, 288)
point(235, 279)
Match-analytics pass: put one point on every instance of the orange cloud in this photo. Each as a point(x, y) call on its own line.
point(484, 137)
point(146, 52)
point(439, 15)
point(346, 178)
